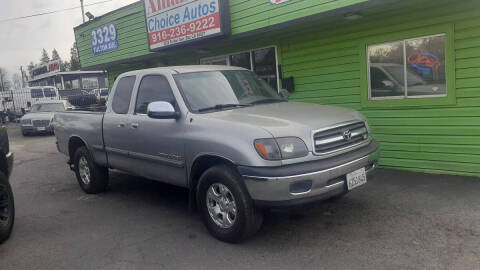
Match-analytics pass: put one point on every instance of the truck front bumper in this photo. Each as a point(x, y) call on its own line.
point(302, 183)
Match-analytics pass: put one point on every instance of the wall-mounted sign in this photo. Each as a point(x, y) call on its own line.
point(46, 69)
point(174, 22)
point(104, 39)
point(277, 1)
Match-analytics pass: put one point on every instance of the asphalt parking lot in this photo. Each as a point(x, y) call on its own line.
point(399, 220)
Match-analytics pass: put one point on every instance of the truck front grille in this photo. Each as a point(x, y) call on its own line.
point(338, 138)
point(41, 123)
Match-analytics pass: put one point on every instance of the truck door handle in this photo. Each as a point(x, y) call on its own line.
point(134, 125)
point(121, 125)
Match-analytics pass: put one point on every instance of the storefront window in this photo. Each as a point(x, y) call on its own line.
point(241, 60)
point(408, 68)
point(90, 83)
point(265, 65)
point(262, 61)
point(221, 60)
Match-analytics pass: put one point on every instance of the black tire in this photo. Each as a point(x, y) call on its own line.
point(98, 180)
point(248, 218)
point(24, 133)
point(7, 208)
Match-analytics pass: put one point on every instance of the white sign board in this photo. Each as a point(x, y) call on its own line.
point(173, 22)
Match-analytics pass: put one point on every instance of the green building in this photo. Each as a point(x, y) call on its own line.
point(411, 66)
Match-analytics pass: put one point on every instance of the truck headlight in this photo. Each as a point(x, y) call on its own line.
point(281, 148)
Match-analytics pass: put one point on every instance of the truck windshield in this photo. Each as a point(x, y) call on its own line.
point(48, 107)
point(210, 90)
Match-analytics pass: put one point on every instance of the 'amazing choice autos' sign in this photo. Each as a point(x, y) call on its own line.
point(174, 22)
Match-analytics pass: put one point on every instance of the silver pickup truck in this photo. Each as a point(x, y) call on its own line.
point(226, 135)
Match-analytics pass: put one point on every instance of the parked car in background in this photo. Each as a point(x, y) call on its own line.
point(7, 207)
point(101, 94)
point(84, 99)
point(39, 119)
point(388, 80)
point(226, 135)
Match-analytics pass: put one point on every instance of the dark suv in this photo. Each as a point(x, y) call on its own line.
point(7, 209)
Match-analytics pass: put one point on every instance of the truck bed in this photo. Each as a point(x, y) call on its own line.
point(87, 125)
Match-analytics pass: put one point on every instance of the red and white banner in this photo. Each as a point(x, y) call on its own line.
point(172, 22)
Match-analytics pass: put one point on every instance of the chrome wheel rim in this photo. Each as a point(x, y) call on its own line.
point(221, 205)
point(84, 170)
point(4, 206)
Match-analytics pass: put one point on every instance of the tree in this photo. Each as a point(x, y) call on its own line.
point(30, 68)
point(3, 80)
point(66, 66)
point(17, 81)
point(74, 60)
point(45, 58)
point(55, 55)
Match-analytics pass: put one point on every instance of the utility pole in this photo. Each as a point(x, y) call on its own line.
point(83, 11)
point(1, 82)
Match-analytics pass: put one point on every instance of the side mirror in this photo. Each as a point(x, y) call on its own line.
point(162, 110)
point(284, 93)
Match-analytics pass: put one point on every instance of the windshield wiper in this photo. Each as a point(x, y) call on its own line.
point(267, 100)
point(223, 106)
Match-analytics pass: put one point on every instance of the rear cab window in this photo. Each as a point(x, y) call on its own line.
point(123, 94)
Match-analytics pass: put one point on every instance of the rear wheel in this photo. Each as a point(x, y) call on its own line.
point(7, 208)
point(227, 210)
point(91, 177)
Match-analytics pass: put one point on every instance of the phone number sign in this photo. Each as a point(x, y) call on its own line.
point(104, 39)
point(175, 22)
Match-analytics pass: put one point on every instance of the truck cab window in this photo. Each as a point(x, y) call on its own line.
point(123, 93)
point(153, 88)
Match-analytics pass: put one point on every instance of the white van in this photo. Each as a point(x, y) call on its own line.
point(26, 97)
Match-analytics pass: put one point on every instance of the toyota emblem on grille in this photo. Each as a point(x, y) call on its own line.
point(347, 135)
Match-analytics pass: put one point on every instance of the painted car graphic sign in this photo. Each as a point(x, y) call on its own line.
point(173, 22)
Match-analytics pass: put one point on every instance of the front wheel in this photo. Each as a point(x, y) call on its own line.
point(91, 177)
point(227, 210)
point(7, 208)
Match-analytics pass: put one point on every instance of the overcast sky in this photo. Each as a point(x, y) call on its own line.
point(22, 41)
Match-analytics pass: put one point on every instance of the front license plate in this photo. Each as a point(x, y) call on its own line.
point(40, 128)
point(356, 178)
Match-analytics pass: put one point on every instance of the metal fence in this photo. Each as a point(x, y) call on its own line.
point(15, 103)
